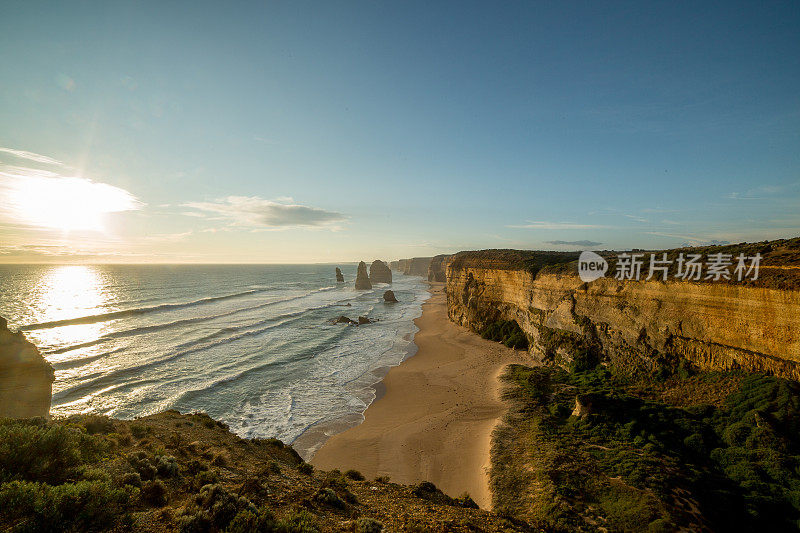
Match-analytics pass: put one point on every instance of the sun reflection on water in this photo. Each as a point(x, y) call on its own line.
point(65, 292)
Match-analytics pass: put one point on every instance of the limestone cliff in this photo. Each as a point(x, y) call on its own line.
point(636, 325)
point(26, 379)
point(379, 272)
point(416, 266)
point(362, 279)
point(437, 269)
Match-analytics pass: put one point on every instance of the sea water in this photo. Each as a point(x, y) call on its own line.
point(251, 345)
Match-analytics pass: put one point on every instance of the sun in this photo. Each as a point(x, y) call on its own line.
point(68, 203)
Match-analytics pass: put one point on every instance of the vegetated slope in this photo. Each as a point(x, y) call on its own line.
point(176, 472)
point(580, 451)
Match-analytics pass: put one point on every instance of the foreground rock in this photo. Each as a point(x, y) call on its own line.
point(344, 320)
point(339, 275)
point(362, 278)
point(26, 379)
point(389, 297)
point(379, 272)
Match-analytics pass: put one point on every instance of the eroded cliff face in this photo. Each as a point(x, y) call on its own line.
point(416, 266)
point(437, 270)
point(632, 325)
point(26, 379)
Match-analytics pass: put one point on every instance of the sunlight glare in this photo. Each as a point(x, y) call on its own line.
point(69, 204)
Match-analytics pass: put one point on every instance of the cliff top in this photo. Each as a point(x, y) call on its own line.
point(779, 269)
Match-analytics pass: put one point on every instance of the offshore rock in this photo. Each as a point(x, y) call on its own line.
point(344, 320)
point(379, 272)
point(362, 279)
point(339, 275)
point(389, 297)
point(26, 378)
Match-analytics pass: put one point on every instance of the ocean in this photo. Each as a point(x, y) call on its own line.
point(251, 345)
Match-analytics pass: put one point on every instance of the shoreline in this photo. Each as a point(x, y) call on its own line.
point(435, 417)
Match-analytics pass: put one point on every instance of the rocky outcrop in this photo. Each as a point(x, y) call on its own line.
point(339, 275)
point(26, 378)
point(389, 297)
point(343, 320)
point(635, 325)
point(379, 272)
point(437, 269)
point(362, 279)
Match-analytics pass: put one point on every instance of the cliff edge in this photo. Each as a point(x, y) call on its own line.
point(26, 378)
point(632, 325)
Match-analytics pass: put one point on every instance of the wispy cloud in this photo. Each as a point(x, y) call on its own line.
point(255, 212)
point(31, 156)
point(574, 243)
point(691, 240)
point(637, 218)
point(169, 237)
point(531, 224)
point(765, 191)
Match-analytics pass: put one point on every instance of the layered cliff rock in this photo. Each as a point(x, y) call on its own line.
point(25, 377)
point(362, 278)
point(379, 272)
point(437, 269)
point(416, 266)
point(636, 325)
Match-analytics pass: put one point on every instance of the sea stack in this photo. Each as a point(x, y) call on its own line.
point(26, 378)
point(389, 297)
point(379, 272)
point(339, 275)
point(362, 279)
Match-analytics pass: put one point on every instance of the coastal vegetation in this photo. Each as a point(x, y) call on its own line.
point(589, 449)
point(507, 332)
point(189, 473)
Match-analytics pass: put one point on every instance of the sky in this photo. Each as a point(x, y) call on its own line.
point(296, 132)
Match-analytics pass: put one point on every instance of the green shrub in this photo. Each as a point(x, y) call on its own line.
point(133, 479)
point(299, 521)
point(220, 505)
point(154, 493)
point(305, 468)
point(48, 453)
point(330, 498)
point(355, 475)
point(81, 506)
point(368, 525)
point(249, 521)
point(507, 332)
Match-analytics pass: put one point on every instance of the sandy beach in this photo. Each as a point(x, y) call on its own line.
point(434, 421)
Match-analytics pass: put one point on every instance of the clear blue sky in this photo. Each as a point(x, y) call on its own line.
point(332, 131)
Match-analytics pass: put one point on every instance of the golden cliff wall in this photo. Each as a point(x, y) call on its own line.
point(26, 379)
point(633, 325)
